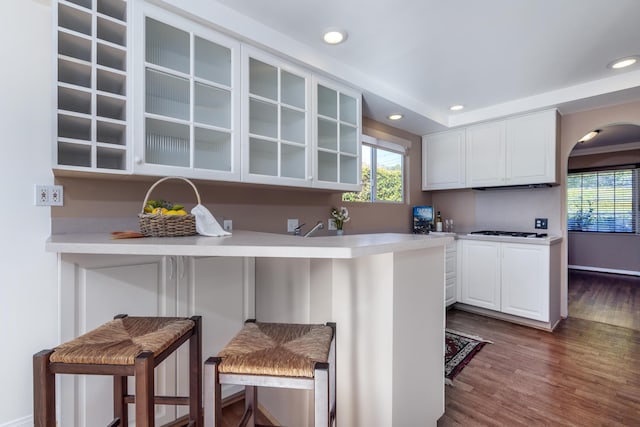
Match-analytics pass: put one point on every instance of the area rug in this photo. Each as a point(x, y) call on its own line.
point(459, 350)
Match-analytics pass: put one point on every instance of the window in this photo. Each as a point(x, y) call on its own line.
point(382, 172)
point(603, 200)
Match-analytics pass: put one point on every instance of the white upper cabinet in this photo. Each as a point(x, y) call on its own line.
point(276, 132)
point(338, 124)
point(531, 148)
point(188, 109)
point(92, 114)
point(443, 160)
point(517, 151)
point(162, 94)
point(485, 152)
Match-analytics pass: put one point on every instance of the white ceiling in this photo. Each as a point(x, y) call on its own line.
point(497, 57)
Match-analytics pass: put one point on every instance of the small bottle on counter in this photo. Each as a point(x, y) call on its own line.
point(438, 222)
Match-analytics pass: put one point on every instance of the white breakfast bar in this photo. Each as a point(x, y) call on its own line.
point(384, 291)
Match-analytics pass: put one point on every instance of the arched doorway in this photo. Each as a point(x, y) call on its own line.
point(608, 252)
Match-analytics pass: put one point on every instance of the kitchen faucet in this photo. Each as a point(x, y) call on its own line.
point(318, 226)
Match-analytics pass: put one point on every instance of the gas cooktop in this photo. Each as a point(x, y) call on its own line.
point(508, 233)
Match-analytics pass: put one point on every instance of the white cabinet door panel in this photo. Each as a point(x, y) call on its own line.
point(525, 280)
point(486, 154)
point(443, 160)
point(531, 149)
point(480, 284)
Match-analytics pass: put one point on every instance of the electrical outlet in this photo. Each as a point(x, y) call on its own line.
point(49, 195)
point(541, 223)
point(331, 224)
point(56, 195)
point(227, 224)
point(41, 193)
point(292, 224)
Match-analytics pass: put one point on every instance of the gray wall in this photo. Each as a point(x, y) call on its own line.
point(605, 251)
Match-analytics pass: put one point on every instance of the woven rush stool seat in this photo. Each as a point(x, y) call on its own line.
point(299, 356)
point(125, 346)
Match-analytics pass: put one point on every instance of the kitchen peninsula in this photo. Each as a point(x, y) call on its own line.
point(385, 292)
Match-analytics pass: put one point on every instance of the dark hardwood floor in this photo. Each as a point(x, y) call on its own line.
point(608, 298)
point(585, 373)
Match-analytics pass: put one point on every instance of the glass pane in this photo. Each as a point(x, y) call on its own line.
point(212, 106)
point(348, 139)
point(365, 194)
point(348, 109)
point(293, 125)
point(293, 161)
point(166, 143)
point(263, 157)
point(263, 118)
point(327, 102)
point(212, 150)
point(212, 61)
point(327, 134)
point(167, 95)
point(293, 90)
point(263, 79)
point(388, 176)
point(167, 46)
point(348, 169)
point(327, 166)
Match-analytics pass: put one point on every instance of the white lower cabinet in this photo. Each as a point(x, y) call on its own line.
point(450, 270)
point(525, 280)
point(94, 288)
point(511, 278)
point(480, 274)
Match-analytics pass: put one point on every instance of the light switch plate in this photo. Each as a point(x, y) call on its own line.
point(541, 223)
point(292, 224)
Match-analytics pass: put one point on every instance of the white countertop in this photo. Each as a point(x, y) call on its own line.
point(548, 241)
point(246, 244)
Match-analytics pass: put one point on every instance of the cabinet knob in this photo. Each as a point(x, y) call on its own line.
point(138, 160)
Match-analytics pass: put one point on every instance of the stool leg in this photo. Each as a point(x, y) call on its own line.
point(145, 393)
point(212, 393)
point(321, 395)
point(120, 410)
point(195, 374)
point(250, 404)
point(44, 391)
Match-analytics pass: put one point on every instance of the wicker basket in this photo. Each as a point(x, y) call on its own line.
point(158, 225)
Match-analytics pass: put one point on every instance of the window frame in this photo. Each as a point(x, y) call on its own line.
point(635, 199)
point(379, 144)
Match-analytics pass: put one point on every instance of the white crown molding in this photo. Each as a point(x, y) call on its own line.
point(604, 149)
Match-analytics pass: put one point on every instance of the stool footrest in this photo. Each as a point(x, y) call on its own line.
point(161, 400)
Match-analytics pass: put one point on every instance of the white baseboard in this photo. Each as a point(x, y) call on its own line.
point(604, 270)
point(22, 422)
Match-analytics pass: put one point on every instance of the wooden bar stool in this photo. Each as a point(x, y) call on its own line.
point(124, 347)
point(274, 355)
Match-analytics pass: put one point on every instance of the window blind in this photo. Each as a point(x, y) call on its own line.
point(603, 201)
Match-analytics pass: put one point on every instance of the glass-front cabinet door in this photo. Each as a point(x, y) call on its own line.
point(91, 88)
point(338, 127)
point(276, 129)
point(189, 96)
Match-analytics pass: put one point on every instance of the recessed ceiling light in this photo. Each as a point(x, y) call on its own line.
point(456, 107)
point(623, 62)
point(589, 136)
point(334, 36)
point(395, 116)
